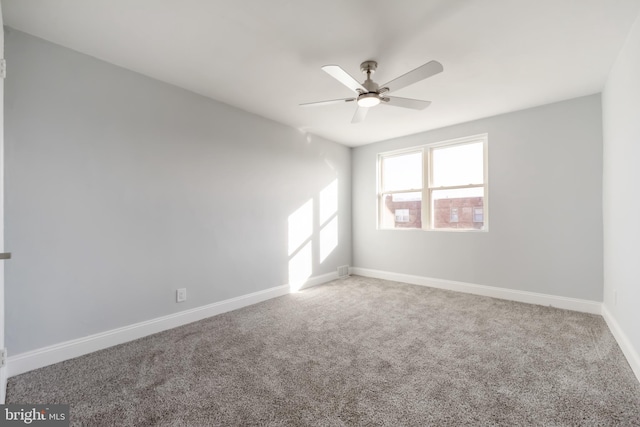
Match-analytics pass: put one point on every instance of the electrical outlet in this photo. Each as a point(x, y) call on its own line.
point(181, 295)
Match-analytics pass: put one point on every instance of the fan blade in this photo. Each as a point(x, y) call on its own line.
point(414, 104)
point(427, 70)
point(333, 101)
point(361, 113)
point(343, 77)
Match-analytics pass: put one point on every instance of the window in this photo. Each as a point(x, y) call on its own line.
point(436, 186)
point(454, 215)
point(402, 215)
point(478, 215)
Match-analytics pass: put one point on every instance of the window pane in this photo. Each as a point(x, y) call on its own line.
point(458, 165)
point(403, 210)
point(466, 203)
point(403, 172)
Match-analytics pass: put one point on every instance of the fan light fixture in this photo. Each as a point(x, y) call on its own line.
point(367, 100)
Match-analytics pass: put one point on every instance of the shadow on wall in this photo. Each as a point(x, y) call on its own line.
point(301, 234)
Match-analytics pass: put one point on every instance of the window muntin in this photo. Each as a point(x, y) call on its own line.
point(442, 186)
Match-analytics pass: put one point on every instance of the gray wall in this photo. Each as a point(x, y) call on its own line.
point(545, 207)
point(120, 189)
point(621, 193)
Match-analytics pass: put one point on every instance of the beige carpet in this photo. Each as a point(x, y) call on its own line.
point(355, 352)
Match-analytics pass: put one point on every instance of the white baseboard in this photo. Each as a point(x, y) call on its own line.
point(623, 341)
point(45, 356)
point(574, 304)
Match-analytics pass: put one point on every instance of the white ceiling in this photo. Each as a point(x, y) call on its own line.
point(265, 56)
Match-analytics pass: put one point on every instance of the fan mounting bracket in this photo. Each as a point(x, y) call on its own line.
point(369, 67)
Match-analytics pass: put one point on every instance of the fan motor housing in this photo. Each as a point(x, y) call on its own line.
point(370, 85)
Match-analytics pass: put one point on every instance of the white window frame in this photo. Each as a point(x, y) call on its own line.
point(427, 186)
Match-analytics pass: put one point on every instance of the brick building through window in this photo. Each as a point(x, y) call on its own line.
point(462, 213)
point(466, 213)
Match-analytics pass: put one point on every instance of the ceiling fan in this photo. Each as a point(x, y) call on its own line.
point(371, 94)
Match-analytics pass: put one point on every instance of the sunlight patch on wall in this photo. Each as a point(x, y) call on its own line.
point(313, 235)
point(300, 226)
point(328, 202)
point(300, 268)
point(328, 219)
point(328, 238)
point(300, 251)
